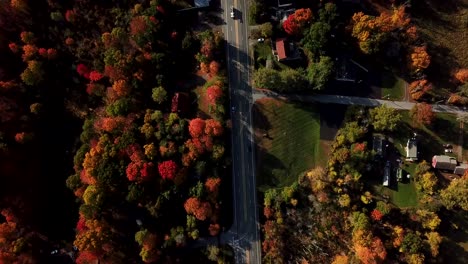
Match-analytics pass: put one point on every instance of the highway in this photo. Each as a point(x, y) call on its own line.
point(245, 237)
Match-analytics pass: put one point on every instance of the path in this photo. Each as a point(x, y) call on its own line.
point(352, 100)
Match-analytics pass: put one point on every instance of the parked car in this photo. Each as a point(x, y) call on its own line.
point(260, 40)
point(448, 150)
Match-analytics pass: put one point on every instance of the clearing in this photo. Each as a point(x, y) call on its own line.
point(287, 136)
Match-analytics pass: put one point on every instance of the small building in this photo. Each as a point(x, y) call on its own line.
point(460, 169)
point(411, 150)
point(399, 174)
point(444, 162)
point(285, 50)
point(180, 103)
point(386, 178)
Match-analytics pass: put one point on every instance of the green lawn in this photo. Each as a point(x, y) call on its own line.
point(405, 196)
point(392, 86)
point(292, 145)
point(262, 51)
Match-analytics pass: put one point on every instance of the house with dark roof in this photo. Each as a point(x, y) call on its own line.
point(285, 50)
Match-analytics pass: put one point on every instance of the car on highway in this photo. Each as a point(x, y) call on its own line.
point(232, 12)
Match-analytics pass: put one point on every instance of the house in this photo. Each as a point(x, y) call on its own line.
point(285, 50)
point(444, 162)
point(411, 150)
point(180, 103)
point(460, 169)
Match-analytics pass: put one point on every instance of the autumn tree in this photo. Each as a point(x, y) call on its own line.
point(147, 241)
point(214, 93)
point(167, 169)
point(33, 74)
point(422, 113)
point(196, 127)
point(428, 219)
point(214, 68)
point(426, 182)
point(384, 118)
point(296, 22)
point(212, 185)
point(213, 128)
point(419, 58)
point(159, 94)
point(462, 75)
point(419, 88)
point(412, 243)
point(456, 194)
point(434, 239)
point(201, 210)
point(374, 253)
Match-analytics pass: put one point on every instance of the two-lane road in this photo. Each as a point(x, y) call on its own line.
point(246, 239)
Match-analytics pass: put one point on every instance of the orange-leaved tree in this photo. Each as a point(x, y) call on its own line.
point(420, 59)
point(422, 113)
point(419, 88)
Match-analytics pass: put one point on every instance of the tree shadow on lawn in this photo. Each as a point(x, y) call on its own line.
point(454, 225)
point(331, 119)
point(260, 119)
point(446, 130)
point(268, 167)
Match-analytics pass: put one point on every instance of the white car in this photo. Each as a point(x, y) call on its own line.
point(260, 40)
point(232, 12)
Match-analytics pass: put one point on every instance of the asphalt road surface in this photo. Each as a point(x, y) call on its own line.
point(245, 230)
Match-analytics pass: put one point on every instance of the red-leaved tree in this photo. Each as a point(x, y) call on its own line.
point(295, 23)
point(167, 169)
point(196, 127)
point(213, 128)
point(214, 93)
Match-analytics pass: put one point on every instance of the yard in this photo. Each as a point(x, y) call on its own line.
point(393, 87)
point(287, 137)
point(444, 130)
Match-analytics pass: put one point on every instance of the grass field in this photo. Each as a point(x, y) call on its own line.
point(292, 142)
point(392, 86)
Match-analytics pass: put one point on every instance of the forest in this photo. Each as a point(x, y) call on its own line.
point(105, 154)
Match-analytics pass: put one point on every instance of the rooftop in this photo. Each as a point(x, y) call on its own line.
point(445, 159)
point(412, 149)
point(280, 49)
